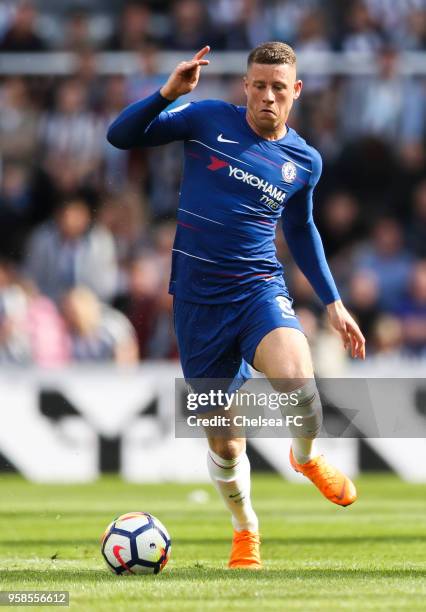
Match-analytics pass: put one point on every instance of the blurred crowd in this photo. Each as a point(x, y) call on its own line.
point(86, 230)
point(123, 25)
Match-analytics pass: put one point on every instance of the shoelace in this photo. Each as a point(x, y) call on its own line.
point(252, 539)
point(321, 471)
point(248, 537)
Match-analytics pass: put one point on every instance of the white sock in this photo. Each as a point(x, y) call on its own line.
point(309, 409)
point(302, 449)
point(232, 479)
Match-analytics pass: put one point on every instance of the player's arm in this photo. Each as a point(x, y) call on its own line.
point(306, 247)
point(143, 123)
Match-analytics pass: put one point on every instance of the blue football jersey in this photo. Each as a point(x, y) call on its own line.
point(235, 187)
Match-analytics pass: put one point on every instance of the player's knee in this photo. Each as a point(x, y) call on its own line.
point(227, 449)
point(291, 376)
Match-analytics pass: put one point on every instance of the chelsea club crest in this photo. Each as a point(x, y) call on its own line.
point(288, 171)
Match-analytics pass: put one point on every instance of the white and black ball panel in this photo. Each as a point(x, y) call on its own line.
point(151, 545)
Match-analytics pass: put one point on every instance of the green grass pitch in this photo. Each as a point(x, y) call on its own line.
point(317, 556)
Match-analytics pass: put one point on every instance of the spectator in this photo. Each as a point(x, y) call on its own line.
point(163, 180)
point(190, 27)
point(31, 329)
point(340, 223)
point(18, 122)
point(148, 305)
point(401, 21)
point(162, 343)
point(98, 333)
point(147, 79)
point(324, 126)
point(417, 223)
point(86, 73)
point(77, 31)
point(378, 105)
point(71, 135)
point(411, 311)
point(387, 259)
point(413, 36)
point(312, 39)
point(22, 34)
point(363, 301)
point(341, 227)
point(115, 95)
point(224, 13)
point(116, 162)
point(6, 16)
point(248, 29)
point(70, 251)
point(236, 95)
point(163, 238)
point(15, 346)
point(139, 302)
point(330, 356)
point(124, 217)
point(16, 209)
point(46, 330)
point(370, 170)
point(363, 32)
point(284, 18)
point(387, 338)
point(134, 30)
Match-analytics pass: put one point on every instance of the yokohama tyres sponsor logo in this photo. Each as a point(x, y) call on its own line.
point(253, 180)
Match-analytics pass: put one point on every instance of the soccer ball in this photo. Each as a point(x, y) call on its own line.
point(136, 543)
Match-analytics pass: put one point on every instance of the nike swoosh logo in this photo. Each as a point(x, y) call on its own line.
point(222, 139)
point(116, 552)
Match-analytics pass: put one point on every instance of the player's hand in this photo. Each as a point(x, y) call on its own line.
point(344, 323)
point(184, 77)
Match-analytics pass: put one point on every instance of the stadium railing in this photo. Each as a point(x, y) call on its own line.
point(225, 63)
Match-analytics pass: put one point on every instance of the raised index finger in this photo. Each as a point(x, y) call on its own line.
point(201, 53)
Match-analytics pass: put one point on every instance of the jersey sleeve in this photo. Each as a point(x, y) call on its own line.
point(146, 123)
point(303, 238)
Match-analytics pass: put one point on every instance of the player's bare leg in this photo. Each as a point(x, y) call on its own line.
point(284, 357)
point(229, 469)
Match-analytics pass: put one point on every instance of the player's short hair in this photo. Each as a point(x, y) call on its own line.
point(272, 53)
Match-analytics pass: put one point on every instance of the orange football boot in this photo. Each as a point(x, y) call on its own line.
point(334, 485)
point(245, 551)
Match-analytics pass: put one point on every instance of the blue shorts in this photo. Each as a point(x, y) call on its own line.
point(218, 341)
